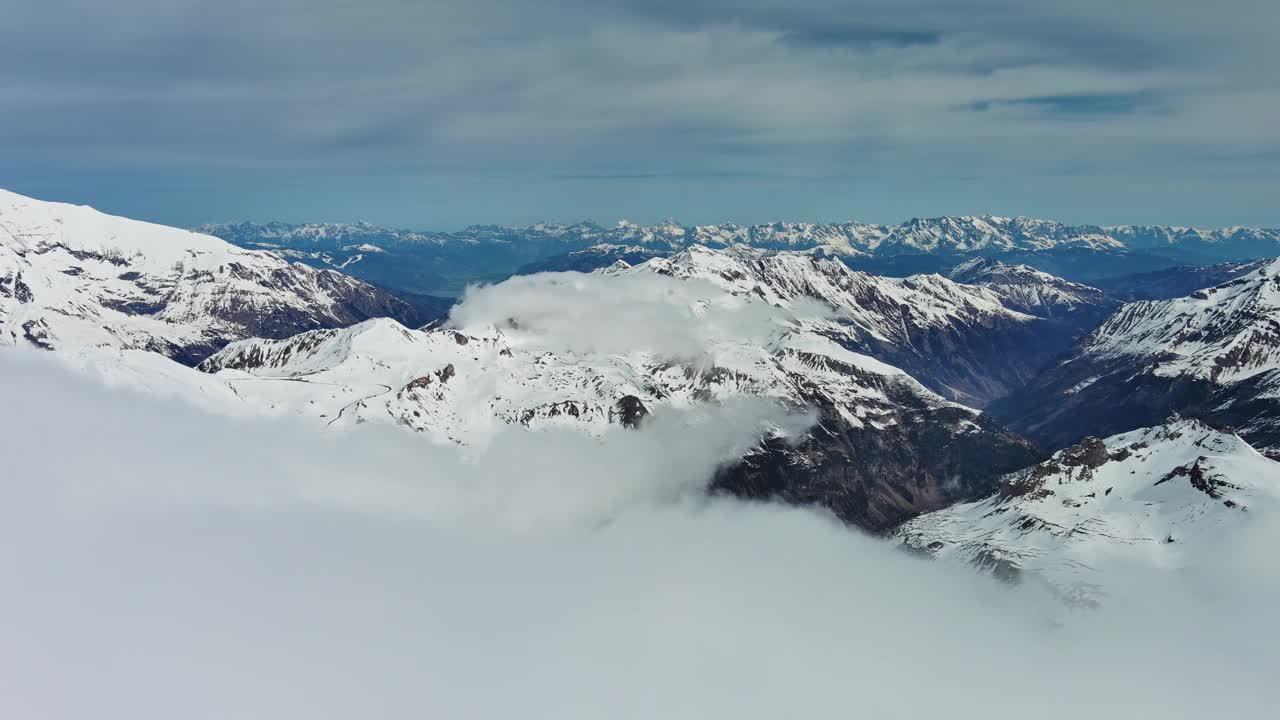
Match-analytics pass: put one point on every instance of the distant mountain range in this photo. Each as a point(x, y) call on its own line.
point(443, 263)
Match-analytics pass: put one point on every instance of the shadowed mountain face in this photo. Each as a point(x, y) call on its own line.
point(1175, 282)
point(877, 478)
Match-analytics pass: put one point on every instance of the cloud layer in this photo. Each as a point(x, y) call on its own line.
point(640, 312)
point(156, 562)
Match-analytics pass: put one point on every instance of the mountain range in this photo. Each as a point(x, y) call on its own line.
point(442, 263)
point(936, 398)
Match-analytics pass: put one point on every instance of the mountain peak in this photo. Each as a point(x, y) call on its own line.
point(82, 279)
point(1139, 496)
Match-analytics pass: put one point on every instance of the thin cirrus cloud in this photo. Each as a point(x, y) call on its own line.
point(479, 100)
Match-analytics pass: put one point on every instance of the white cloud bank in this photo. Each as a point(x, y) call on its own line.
point(585, 312)
point(159, 563)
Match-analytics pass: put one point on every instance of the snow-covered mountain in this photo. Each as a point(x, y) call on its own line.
point(72, 277)
point(882, 360)
point(320, 236)
point(1214, 354)
point(123, 299)
point(442, 262)
point(961, 235)
point(885, 448)
point(1027, 290)
point(962, 341)
point(1142, 497)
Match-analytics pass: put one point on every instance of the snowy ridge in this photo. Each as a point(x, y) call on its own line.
point(320, 234)
point(1213, 355)
point(962, 341)
point(1032, 291)
point(963, 235)
point(72, 278)
point(783, 278)
point(1224, 333)
point(1138, 497)
point(457, 385)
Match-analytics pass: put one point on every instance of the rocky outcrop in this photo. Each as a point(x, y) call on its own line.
point(877, 478)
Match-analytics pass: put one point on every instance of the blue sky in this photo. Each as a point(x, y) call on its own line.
point(440, 114)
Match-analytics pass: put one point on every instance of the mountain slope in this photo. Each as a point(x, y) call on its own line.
point(73, 277)
point(1214, 354)
point(1141, 497)
point(885, 448)
point(1027, 290)
point(959, 340)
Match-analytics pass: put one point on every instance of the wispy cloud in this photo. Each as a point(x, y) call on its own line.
point(1088, 105)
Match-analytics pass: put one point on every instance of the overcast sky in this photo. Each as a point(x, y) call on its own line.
point(443, 113)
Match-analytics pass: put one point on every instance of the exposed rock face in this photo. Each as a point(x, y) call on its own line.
point(631, 411)
point(71, 277)
point(877, 478)
point(1214, 355)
